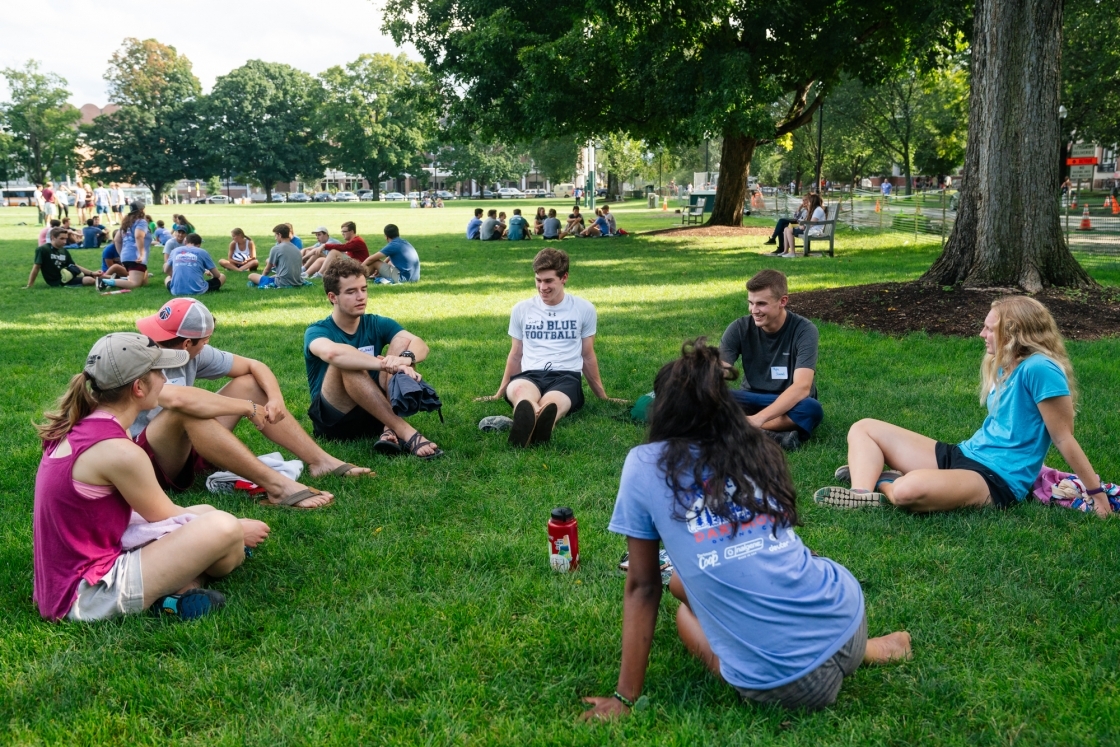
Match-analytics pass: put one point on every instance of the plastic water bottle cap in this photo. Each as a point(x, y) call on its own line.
point(563, 514)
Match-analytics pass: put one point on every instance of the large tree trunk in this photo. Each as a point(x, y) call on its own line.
point(267, 190)
point(1008, 231)
point(731, 192)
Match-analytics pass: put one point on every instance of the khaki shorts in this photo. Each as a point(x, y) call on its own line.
point(389, 271)
point(120, 592)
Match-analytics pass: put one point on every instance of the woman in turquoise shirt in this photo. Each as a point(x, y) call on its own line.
point(1028, 386)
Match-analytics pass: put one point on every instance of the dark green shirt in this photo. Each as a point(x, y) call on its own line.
point(51, 263)
point(373, 334)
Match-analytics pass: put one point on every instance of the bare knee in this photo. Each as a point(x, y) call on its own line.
point(906, 491)
point(223, 528)
point(862, 428)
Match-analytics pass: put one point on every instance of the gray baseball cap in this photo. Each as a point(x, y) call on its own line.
point(123, 357)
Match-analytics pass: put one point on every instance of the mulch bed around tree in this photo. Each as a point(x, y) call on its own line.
point(720, 232)
point(898, 308)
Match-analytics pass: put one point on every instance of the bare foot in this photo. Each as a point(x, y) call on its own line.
point(255, 531)
point(888, 648)
point(330, 464)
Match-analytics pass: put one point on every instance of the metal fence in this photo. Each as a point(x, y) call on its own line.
point(933, 213)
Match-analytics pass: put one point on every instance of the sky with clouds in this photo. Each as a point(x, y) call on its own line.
point(76, 38)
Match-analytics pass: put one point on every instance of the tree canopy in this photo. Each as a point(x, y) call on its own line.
point(377, 116)
point(666, 72)
point(1091, 70)
point(41, 125)
point(261, 123)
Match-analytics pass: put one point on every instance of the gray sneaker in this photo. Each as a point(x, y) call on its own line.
point(495, 423)
point(837, 497)
point(788, 440)
point(843, 474)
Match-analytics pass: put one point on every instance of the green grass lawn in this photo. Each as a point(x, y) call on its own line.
point(420, 609)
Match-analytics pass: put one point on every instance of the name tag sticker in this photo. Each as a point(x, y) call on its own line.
point(367, 349)
point(178, 381)
point(779, 372)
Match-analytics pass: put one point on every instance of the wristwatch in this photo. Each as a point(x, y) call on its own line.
point(411, 356)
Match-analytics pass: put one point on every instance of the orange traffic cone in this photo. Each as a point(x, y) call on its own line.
point(1107, 202)
point(878, 207)
point(1086, 224)
point(1115, 207)
point(665, 205)
point(1073, 204)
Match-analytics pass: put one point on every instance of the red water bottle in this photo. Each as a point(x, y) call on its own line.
point(563, 540)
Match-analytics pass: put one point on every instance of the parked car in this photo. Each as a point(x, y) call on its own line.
point(322, 197)
point(444, 195)
point(216, 200)
point(485, 195)
point(412, 196)
point(256, 197)
point(279, 197)
point(365, 195)
point(346, 197)
point(564, 190)
point(298, 197)
point(510, 193)
point(601, 192)
point(392, 197)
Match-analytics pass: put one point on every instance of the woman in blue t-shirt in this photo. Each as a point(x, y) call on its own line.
point(1028, 386)
point(764, 614)
point(133, 242)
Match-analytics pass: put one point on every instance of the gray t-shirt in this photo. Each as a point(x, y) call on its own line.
point(551, 228)
point(211, 363)
point(770, 360)
point(288, 263)
point(487, 229)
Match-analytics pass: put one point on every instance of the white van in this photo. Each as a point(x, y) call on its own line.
point(564, 190)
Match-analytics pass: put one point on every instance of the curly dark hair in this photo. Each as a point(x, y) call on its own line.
point(708, 442)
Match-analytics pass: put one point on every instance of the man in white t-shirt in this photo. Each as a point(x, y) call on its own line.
point(553, 344)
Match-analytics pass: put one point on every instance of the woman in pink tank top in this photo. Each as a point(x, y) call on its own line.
point(91, 479)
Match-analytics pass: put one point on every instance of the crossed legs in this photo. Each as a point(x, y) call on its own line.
point(872, 444)
point(209, 545)
point(345, 389)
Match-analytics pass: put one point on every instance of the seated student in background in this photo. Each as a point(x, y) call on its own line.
point(599, 227)
point(323, 239)
point(74, 238)
point(500, 229)
point(293, 237)
point(538, 221)
point(283, 260)
point(90, 480)
point(350, 357)
point(474, 224)
point(574, 226)
point(396, 262)
point(45, 231)
point(191, 270)
point(551, 229)
point(53, 260)
point(242, 256)
point(779, 353)
point(111, 262)
point(762, 613)
point(190, 430)
point(489, 230)
point(134, 242)
point(552, 349)
point(177, 239)
point(817, 213)
point(1027, 383)
point(518, 227)
point(353, 246)
point(93, 234)
point(163, 235)
point(777, 236)
point(612, 226)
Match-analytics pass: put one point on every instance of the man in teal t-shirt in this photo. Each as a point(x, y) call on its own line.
point(518, 227)
point(350, 357)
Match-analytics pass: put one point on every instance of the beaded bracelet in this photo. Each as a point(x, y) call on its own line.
point(623, 699)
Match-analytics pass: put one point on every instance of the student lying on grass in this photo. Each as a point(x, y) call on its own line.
point(90, 480)
point(191, 430)
point(1027, 383)
point(764, 615)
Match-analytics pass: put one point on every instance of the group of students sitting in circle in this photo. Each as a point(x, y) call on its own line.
point(710, 483)
point(545, 224)
point(191, 270)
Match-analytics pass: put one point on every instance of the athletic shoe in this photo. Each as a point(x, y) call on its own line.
point(842, 474)
point(848, 498)
point(788, 440)
point(99, 284)
point(771, 240)
point(190, 605)
point(524, 420)
point(495, 423)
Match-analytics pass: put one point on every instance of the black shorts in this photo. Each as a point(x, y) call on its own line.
point(569, 383)
point(116, 208)
point(135, 267)
point(342, 426)
point(950, 456)
point(212, 286)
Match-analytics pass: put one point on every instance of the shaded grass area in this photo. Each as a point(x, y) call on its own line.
point(420, 608)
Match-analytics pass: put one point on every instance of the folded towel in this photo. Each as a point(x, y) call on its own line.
point(225, 482)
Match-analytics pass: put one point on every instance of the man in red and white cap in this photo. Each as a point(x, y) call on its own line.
point(194, 427)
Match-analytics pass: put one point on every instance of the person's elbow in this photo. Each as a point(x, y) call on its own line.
point(173, 397)
point(643, 589)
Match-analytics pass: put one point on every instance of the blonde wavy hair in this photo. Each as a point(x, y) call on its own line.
point(1025, 327)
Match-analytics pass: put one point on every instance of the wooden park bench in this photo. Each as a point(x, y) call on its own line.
point(692, 214)
point(826, 230)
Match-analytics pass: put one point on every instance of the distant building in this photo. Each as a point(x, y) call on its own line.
point(92, 111)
